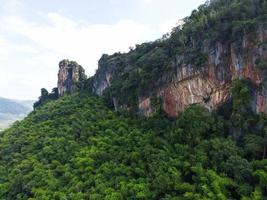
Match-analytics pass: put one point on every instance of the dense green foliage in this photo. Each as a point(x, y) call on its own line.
point(242, 115)
point(225, 21)
point(45, 97)
point(76, 148)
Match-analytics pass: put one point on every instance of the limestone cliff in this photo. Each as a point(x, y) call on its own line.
point(69, 74)
point(70, 77)
point(105, 73)
point(209, 85)
point(195, 64)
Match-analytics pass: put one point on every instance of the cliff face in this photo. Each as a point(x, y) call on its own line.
point(208, 85)
point(69, 74)
point(104, 74)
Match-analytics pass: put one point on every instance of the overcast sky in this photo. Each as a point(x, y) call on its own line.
point(36, 34)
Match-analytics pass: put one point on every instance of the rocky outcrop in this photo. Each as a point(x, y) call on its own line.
point(144, 106)
point(69, 74)
point(107, 69)
point(208, 85)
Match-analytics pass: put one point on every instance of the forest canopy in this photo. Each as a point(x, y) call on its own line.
point(76, 148)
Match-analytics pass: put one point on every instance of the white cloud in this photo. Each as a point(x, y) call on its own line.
point(10, 6)
point(58, 38)
point(168, 25)
point(83, 42)
point(147, 1)
point(31, 48)
point(61, 33)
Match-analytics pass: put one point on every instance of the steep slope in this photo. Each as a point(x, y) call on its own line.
point(76, 148)
point(220, 42)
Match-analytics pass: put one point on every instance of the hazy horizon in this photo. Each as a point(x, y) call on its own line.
point(36, 35)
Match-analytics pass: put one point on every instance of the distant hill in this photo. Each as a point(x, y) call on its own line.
point(14, 106)
point(13, 110)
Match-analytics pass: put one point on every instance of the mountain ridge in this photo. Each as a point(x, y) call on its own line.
point(12, 110)
point(195, 64)
point(199, 69)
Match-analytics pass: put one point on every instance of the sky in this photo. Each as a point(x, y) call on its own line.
point(35, 35)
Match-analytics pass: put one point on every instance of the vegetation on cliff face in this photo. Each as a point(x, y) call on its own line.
point(76, 148)
point(45, 97)
point(217, 21)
